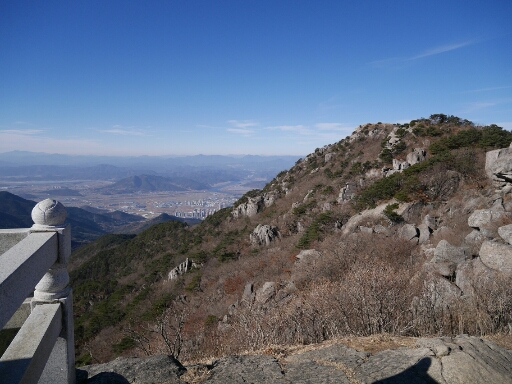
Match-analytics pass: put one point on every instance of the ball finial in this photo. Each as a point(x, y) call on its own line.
point(49, 212)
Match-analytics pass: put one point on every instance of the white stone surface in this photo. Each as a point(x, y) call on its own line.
point(22, 267)
point(49, 212)
point(26, 357)
point(43, 350)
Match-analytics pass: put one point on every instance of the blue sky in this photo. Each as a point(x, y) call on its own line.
point(243, 77)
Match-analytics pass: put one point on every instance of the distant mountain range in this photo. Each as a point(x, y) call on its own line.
point(207, 170)
point(87, 224)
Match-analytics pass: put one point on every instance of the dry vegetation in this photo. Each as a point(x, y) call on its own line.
point(362, 288)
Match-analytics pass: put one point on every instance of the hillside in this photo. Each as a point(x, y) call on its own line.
point(385, 231)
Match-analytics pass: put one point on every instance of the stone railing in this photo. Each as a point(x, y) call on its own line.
point(43, 349)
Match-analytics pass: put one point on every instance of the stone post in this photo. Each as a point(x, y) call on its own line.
point(49, 216)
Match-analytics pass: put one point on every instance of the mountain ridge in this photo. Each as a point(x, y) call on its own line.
point(372, 220)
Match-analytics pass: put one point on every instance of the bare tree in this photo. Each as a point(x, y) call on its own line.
point(169, 326)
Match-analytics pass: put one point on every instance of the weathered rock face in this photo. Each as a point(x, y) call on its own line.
point(248, 295)
point(445, 252)
point(505, 233)
point(183, 268)
point(498, 165)
point(425, 232)
point(409, 232)
point(487, 220)
point(497, 256)
point(266, 292)
point(264, 234)
point(154, 369)
point(400, 165)
point(471, 272)
point(474, 239)
point(250, 208)
point(462, 359)
point(418, 155)
point(254, 205)
point(348, 192)
point(445, 262)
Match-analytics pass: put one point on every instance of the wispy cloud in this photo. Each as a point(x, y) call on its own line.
point(479, 105)
point(241, 131)
point(487, 89)
point(439, 50)
point(206, 126)
point(27, 132)
point(421, 55)
point(300, 129)
point(331, 127)
point(241, 127)
point(119, 130)
point(12, 139)
point(22, 123)
point(329, 104)
point(243, 123)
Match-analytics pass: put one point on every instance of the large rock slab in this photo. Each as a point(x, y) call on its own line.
point(497, 256)
point(474, 360)
point(498, 165)
point(403, 365)
point(334, 364)
point(425, 232)
point(473, 272)
point(487, 220)
point(123, 370)
point(505, 233)
point(266, 292)
point(409, 232)
point(462, 359)
point(445, 252)
point(246, 369)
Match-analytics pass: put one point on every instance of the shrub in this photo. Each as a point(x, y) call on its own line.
point(123, 345)
point(195, 283)
point(303, 208)
point(386, 156)
point(211, 320)
point(328, 190)
point(390, 213)
point(315, 230)
point(495, 137)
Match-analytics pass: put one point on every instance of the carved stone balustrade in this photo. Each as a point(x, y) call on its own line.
point(35, 296)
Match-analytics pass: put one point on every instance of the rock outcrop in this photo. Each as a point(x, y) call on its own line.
point(348, 192)
point(498, 165)
point(123, 370)
point(264, 234)
point(497, 256)
point(254, 205)
point(249, 208)
point(181, 269)
point(462, 359)
point(418, 155)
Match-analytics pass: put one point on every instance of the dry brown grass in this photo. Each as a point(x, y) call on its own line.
point(503, 340)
